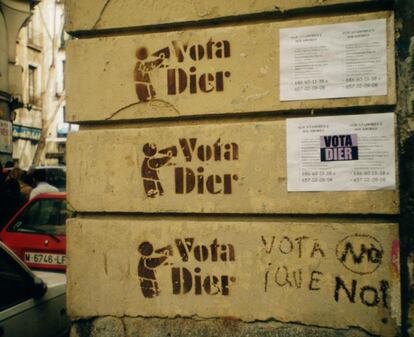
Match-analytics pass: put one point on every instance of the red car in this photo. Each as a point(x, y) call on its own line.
point(37, 232)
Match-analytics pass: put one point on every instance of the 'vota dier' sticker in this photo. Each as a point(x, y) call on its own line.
point(339, 147)
point(341, 153)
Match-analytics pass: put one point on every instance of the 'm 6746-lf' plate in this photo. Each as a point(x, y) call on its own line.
point(43, 258)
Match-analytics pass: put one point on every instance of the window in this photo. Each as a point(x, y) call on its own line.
point(63, 74)
point(60, 80)
point(62, 33)
point(32, 85)
point(30, 32)
point(43, 216)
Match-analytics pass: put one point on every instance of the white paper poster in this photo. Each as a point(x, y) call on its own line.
point(5, 137)
point(337, 60)
point(341, 153)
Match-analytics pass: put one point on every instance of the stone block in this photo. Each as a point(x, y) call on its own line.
point(107, 327)
point(180, 327)
point(205, 168)
point(107, 14)
point(198, 72)
point(227, 327)
point(321, 273)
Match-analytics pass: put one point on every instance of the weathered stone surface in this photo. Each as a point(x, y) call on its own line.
point(331, 274)
point(180, 327)
point(74, 331)
point(81, 328)
point(107, 327)
point(107, 14)
point(211, 168)
point(405, 110)
point(227, 70)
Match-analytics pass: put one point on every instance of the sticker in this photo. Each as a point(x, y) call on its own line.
point(337, 60)
point(345, 153)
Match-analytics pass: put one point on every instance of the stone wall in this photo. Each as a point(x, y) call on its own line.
point(187, 223)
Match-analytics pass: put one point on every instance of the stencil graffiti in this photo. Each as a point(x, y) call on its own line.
point(147, 265)
point(186, 280)
point(145, 64)
point(187, 178)
point(150, 166)
point(180, 61)
point(284, 266)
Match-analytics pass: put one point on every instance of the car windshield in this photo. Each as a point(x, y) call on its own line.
point(42, 216)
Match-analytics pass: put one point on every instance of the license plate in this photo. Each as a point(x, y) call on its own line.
point(43, 258)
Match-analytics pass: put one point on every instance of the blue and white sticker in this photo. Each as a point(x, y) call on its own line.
point(341, 153)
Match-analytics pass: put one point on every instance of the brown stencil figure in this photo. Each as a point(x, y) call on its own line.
point(144, 89)
point(147, 265)
point(150, 166)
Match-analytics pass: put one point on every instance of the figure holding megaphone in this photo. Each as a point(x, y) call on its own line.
point(151, 165)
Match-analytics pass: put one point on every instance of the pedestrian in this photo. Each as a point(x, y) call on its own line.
point(39, 178)
point(21, 177)
point(14, 200)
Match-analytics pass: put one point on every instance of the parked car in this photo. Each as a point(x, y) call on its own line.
point(30, 304)
point(37, 232)
point(55, 175)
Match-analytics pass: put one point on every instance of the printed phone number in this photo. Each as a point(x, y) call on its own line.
point(369, 180)
point(318, 173)
point(310, 85)
point(317, 180)
point(362, 82)
point(370, 173)
point(370, 176)
point(317, 176)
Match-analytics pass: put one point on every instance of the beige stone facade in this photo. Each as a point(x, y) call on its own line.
point(212, 168)
point(179, 177)
point(232, 69)
point(322, 273)
point(101, 14)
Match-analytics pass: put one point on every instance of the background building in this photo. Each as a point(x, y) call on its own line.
point(39, 131)
point(13, 14)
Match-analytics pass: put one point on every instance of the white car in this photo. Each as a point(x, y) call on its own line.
point(31, 304)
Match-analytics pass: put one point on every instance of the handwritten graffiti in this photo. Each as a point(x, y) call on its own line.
point(360, 253)
point(285, 276)
point(299, 246)
point(147, 265)
point(288, 266)
point(295, 278)
point(189, 179)
point(369, 295)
